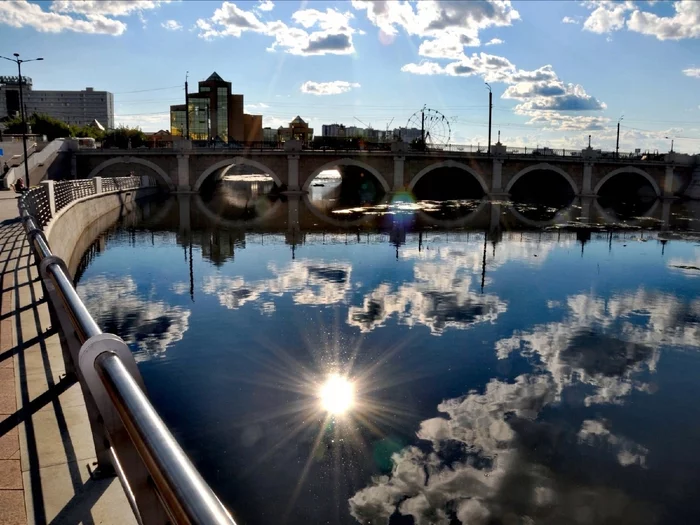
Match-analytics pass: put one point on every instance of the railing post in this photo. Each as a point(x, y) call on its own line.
point(49, 184)
point(97, 181)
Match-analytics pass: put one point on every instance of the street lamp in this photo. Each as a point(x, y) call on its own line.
point(488, 86)
point(617, 146)
point(671, 143)
point(19, 63)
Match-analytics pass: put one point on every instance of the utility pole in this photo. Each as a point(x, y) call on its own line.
point(617, 145)
point(22, 111)
point(422, 126)
point(187, 108)
point(488, 150)
point(589, 142)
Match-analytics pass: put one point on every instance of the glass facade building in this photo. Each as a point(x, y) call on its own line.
point(215, 114)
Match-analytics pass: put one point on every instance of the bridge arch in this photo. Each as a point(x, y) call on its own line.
point(347, 162)
point(235, 160)
point(133, 160)
point(449, 164)
point(628, 169)
point(542, 166)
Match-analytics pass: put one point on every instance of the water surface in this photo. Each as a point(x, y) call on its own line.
point(501, 374)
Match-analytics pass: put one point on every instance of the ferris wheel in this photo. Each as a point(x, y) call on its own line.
point(434, 125)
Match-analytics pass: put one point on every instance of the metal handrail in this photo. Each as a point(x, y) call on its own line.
point(185, 496)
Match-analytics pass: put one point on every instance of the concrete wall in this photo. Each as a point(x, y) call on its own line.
point(66, 231)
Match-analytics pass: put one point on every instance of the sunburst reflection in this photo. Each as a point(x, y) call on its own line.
point(337, 395)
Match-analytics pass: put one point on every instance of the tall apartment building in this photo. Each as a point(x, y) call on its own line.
point(73, 107)
point(215, 114)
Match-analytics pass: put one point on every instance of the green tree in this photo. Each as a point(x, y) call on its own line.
point(87, 131)
point(40, 125)
point(122, 136)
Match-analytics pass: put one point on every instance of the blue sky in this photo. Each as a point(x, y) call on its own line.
point(559, 70)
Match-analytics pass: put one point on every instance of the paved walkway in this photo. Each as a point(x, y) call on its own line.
point(46, 449)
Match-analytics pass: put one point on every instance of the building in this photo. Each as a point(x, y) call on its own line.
point(333, 130)
point(215, 114)
point(270, 135)
point(79, 108)
point(298, 129)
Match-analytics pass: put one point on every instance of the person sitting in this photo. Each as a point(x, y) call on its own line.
point(19, 186)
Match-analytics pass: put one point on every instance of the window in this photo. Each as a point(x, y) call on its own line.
point(222, 113)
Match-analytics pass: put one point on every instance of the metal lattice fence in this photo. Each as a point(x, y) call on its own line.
point(37, 200)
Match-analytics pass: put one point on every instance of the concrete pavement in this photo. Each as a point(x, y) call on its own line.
point(46, 449)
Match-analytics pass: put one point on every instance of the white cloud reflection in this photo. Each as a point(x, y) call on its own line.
point(480, 466)
point(149, 325)
point(579, 349)
point(310, 282)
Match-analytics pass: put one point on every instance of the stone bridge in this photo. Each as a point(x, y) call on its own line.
point(186, 170)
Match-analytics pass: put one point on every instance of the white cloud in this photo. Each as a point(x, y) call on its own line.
point(538, 90)
point(692, 72)
point(105, 7)
point(172, 25)
point(569, 20)
point(254, 107)
point(25, 14)
point(608, 16)
point(333, 34)
point(94, 17)
point(494, 42)
point(328, 88)
point(266, 5)
point(685, 23)
point(436, 19)
point(426, 67)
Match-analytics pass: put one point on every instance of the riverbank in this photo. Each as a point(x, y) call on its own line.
point(46, 449)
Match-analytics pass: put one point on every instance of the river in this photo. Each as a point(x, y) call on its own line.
point(415, 362)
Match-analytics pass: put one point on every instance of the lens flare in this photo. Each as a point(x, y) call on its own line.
point(337, 395)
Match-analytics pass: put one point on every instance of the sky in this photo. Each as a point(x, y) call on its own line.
point(559, 71)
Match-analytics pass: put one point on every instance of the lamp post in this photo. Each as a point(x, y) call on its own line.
point(19, 62)
point(617, 145)
point(490, 111)
point(671, 143)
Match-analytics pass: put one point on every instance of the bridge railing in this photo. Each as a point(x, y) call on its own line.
point(131, 441)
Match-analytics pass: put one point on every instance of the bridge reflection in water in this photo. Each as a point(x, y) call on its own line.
point(416, 362)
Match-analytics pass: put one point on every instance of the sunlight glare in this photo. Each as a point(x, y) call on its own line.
point(337, 395)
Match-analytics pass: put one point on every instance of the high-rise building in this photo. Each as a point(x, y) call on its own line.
point(73, 107)
point(215, 114)
point(333, 130)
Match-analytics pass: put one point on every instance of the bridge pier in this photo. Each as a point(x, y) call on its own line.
point(183, 173)
point(496, 175)
point(668, 182)
point(587, 186)
point(293, 173)
point(398, 183)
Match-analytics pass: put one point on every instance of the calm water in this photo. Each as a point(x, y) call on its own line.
point(499, 375)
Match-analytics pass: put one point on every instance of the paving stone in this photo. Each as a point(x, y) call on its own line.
point(12, 511)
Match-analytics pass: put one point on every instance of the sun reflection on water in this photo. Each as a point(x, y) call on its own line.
point(337, 395)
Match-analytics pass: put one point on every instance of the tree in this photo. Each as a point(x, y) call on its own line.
point(40, 125)
point(87, 131)
point(121, 136)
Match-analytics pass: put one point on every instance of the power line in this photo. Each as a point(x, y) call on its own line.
point(145, 90)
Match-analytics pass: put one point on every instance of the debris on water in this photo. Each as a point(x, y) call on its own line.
point(685, 267)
